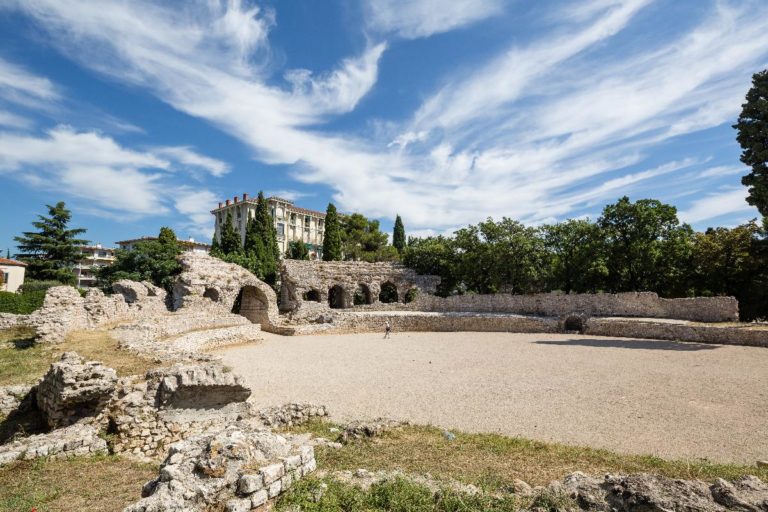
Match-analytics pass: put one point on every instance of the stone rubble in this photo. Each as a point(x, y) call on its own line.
point(11, 397)
point(357, 430)
point(73, 389)
point(71, 441)
point(238, 467)
point(289, 415)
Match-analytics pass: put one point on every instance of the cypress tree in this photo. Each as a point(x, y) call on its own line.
point(332, 238)
point(398, 237)
point(51, 252)
point(215, 247)
point(264, 229)
point(230, 239)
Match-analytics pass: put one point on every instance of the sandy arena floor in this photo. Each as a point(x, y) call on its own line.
point(680, 400)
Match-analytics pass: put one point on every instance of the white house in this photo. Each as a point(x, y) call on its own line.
point(13, 274)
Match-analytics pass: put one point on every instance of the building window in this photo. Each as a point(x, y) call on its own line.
point(280, 229)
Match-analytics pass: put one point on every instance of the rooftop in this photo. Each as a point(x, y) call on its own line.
point(13, 263)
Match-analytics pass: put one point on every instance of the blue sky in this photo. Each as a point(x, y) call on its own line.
point(142, 114)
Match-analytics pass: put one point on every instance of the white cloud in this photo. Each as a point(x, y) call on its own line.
point(412, 19)
point(187, 156)
point(14, 121)
point(196, 205)
point(546, 128)
point(291, 195)
point(20, 86)
point(717, 205)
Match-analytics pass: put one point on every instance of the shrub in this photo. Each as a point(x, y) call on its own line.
point(36, 286)
point(21, 303)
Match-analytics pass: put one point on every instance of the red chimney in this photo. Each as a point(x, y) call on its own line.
point(227, 202)
point(235, 199)
point(245, 196)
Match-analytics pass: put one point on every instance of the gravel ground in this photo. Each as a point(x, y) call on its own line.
point(675, 400)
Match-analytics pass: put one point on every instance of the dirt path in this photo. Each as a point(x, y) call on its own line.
point(680, 400)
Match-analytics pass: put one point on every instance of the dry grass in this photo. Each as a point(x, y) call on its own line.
point(24, 362)
point(493, 461)
point(101, 483)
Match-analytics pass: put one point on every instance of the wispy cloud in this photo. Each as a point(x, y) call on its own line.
point(188, 157)
point(548, 127)
point(412, 19)
point(717, 205)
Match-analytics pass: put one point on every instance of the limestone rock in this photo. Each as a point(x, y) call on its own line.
point(74, 388)
point(62, 311)
point(365, 429)
point(62, 443)
point(197, 386)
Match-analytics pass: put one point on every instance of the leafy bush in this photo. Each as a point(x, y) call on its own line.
point(36, 286)
point(21, 303)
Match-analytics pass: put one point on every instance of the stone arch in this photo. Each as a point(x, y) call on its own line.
point(253, 304)
point(337, 297)
point(362, 295)
point(573, 323)
point(213, 294)
point(411, 295)
point(388, 293)
point(311, 295)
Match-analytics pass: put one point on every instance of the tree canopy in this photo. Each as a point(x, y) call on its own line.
point(297, 251)
point(362, 239)
point(149, 260)
point(398, 235)
point(53, 250)
point(752, 127)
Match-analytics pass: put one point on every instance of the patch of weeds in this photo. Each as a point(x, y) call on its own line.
point(318, 428)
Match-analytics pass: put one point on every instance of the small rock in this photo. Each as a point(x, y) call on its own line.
point(449, 436)
point(762, 463)
point(521, 487)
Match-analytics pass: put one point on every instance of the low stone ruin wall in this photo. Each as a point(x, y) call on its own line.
point(631, 304)
point(678, 331)
point(60, 444)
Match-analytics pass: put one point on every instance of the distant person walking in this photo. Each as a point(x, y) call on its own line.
point(387, 329)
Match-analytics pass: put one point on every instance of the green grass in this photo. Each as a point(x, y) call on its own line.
point(328, 495)
point(493, 462)
point(24, 362)
point(98, 483)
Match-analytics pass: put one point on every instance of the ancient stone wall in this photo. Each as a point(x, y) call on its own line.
point(67, 442)
point(337, 282)
point(632, 304)
point(208, 283)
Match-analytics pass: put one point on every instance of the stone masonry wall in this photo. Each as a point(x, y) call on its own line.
point(320, 277)
point(632, 304)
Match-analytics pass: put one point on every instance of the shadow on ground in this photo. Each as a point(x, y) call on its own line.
point(631, 344)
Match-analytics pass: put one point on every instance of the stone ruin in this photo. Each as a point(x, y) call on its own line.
point(344, 284)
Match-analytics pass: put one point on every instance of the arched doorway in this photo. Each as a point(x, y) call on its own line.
point(337, 297)
point(388, 293)
point(211, 293)
point(252, 304)
point(573, 324)
point(362, 295)
point(311, 295)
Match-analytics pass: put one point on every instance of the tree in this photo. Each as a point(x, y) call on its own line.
point(297, 250)
point(752, 127)
point(215, 247)
point(53, 250)
point(332, 236)
point(577, 252)
point(264, 230)
point(647, 247)
point(149, 260)
point(362, 240)
point(229, 239)
point(435, 255)
point(398, 235)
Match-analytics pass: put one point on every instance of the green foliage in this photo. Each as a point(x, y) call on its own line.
point(398, 235)
point(733, 262)
point(647, 247)
point(229, 242)
point(297, 251)
point(501, 256)
point(149, 260)
point(53, 250)
point(362, 240)
point(264, 229)
point(578, 256)
point(33, 286)
point(332, 236)
point(21, 303)
point(752, 127)
point(434, 255)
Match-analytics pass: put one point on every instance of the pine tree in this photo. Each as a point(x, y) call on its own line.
point(398, 237)
point(51, 252)
point(167, 236)
point(215, 247)
point(752, 126)
point(254, 245)
point(332, 237)
point(230, 239)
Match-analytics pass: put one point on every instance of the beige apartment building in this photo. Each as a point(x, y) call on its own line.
point(291, 222)
point(94, 257)
point(13, 274)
